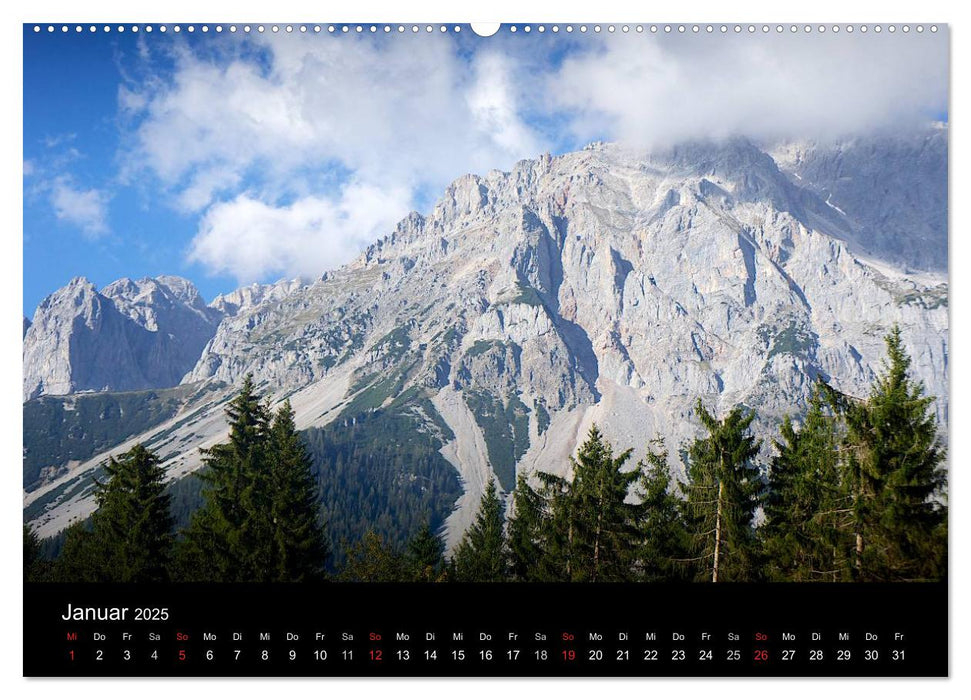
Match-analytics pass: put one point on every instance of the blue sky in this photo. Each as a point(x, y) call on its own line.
point(228, 158)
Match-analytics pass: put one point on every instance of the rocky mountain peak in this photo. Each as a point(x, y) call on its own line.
point(132, 334)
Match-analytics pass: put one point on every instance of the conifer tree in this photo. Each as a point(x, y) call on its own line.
point(79, 560)
point(807, 509)
point(129, 537)
point(132, 527)
point(372, 560)
point(426, 555)
point(555, 563)
point(481, 555)
point(224, 542)
point(32, 561)
point(603, 534)
point(664, 538)
point(895, 474)
point(722, 495)
point(525, 532)
point(298, 546)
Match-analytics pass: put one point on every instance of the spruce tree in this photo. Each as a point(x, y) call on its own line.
point(555, 563)
point(372, 560)
point(32, 562)
point(426, 555)
point(807, 508)
point(894, 460)
point(79, 561)
point(298, 546)
point(525, 532)
point(481, 555)
point(603, 528)
point(722, 495)
point(132, 527)
point(129, 537)
point(664, 538)
point(225, 541)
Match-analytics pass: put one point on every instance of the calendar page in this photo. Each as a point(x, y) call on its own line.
point(485, 350)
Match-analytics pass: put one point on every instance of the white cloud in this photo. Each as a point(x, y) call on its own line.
point(86, 209)
point(493, 102)
point(250, 239)
point(390, 109)
point(398, 115)
point(658, 92)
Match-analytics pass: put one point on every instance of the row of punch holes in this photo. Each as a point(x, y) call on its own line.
point(512, 29)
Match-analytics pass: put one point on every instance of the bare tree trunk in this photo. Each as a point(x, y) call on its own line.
point(596, 540)
point(718, 533)
point(596, 552)
point(859, 533)
point(569, 552)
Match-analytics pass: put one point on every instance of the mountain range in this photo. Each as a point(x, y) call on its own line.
point(607, 286)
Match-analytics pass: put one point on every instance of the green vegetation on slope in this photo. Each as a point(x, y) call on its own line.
point(506, 432)
point(60, 429)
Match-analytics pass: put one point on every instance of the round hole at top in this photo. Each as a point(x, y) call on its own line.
point(485, 28)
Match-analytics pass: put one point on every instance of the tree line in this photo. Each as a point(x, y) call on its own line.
point(855, 491)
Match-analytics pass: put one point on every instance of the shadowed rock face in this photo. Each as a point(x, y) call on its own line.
point(892, 191)
point(130, 335)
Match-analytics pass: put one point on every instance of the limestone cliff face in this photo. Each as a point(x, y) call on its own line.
point(129, 335)
point(573, 281)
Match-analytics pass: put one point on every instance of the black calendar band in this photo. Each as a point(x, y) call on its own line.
point(346, 630)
